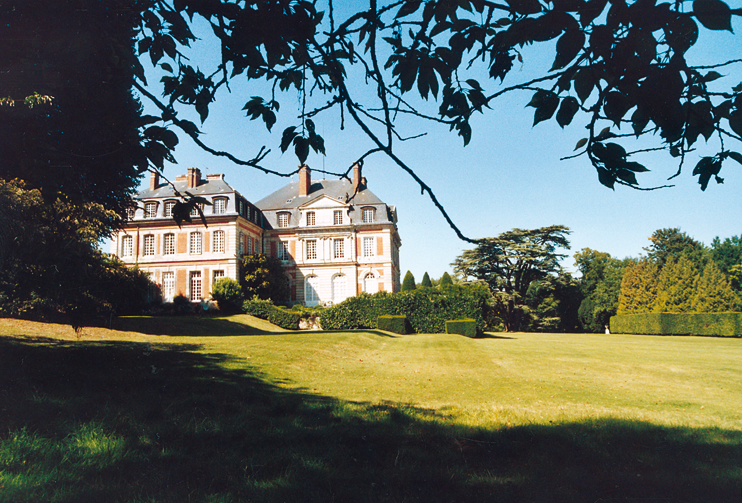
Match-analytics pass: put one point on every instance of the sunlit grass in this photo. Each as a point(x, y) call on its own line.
point(237, 410)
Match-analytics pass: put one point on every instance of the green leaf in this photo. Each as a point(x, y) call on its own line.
point(713, 14)
point(568, 47)
point(567, 111)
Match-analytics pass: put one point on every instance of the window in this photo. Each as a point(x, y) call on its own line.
point(242, 243)
point(283, 250)
point(150, 210)
point(218, 244)
point(250, 245)
point(168, 245)
point(283, 219)
point(370, 285)
point(311, 291)
point(149, 244)
point(337, 217)
point(127, 246)
point(194, 243)
point(368, 215)
point(196, 207)
point(368, 247)
point(338, 288)
point(168, 286)
point(338, 248)
point(169, 205)
point(130, 213)
point(310, 218)
point(218, 274)
point(311, 249)
point(220, 205)
point(195, 281)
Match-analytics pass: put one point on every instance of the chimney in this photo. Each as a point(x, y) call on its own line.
point(154, 180)
point(358, 181)
point(305, 180)
point(194, 177)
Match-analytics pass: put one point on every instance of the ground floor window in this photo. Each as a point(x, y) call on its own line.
point(311, 291)
point(370, 283)
point(195, 282)
point(218, 274)
point(338, 288)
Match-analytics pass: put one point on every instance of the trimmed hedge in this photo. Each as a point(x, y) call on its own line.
point(467, 327)
point(713, 324)
point(393, 323)
point(264, 309)
point(426, 310)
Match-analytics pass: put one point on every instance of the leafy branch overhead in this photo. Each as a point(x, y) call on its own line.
point(619, 68)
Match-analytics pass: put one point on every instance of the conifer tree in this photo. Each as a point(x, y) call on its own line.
point(713, 293)
point(408, 283)
point(445, 280)
point(638, 288)
point(426, 281)
point(675, 286)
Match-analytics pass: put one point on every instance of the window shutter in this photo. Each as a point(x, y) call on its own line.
point(273, 249)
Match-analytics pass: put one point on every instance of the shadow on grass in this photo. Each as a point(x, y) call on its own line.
point(161, 423)
point(185, 326)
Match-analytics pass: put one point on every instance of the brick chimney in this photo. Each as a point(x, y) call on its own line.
point(358, 180)
point(305, 180)
point(194, 177)
point(154, 180)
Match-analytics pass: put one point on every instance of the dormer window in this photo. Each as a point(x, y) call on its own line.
point(169, 205)
point(150, 210)
point(283, 219)
point(196, 207)
point(368, 215)
point(220, 205)
point(337, 217)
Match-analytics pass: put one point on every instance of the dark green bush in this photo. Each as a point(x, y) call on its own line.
point(467, 327)
point(426, 310)
point(228, 294)
point(713, 324)
point(264, 309)
point(393, 323)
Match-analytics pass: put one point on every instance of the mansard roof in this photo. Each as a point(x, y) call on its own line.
point(209, 186)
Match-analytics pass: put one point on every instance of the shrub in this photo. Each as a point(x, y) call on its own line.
point(181, 304)
point(228, 294)
point(393, 323)
point(408, 283)
point(714, 324)
point(467, 327)
point(426, 310)
point(264, 309)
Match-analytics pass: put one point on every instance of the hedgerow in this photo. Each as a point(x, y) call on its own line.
point(426, 310)
point(264, 309)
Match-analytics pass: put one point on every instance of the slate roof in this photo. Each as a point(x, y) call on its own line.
point(287, 199)
point(210, 186)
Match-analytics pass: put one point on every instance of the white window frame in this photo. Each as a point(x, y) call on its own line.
point(370, 283)
point(196, 207)
point(241, 243)
point(220, 205)
point(283, 250)
point(168, 244)
point(218, 274)
point(218, 240)
point(369, 246)
point(284, 219)
point(127, 246)
point(168, 286)
point(311, 218)
point(311, 249)
point(194, 282)
point(368, 215)
point(311, 290)
point(148, 248)
point(150, 209)
point(195, 243)
point(338, 248)
point(337, 217)
point(168, 208)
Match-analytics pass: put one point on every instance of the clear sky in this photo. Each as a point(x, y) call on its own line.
point(509, 175)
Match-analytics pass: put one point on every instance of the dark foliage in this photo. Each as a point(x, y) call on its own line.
point(263, 277)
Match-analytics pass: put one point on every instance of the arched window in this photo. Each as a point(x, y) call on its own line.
point(311, 291)
point(370, 283)
point(338, 288)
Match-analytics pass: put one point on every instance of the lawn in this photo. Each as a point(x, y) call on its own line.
point(234, 409)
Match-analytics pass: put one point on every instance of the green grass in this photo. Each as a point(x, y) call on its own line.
point(234, 409)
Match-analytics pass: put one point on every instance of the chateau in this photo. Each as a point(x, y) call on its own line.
point(334, 238)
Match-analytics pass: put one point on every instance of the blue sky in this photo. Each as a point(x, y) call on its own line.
point(509, 175)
